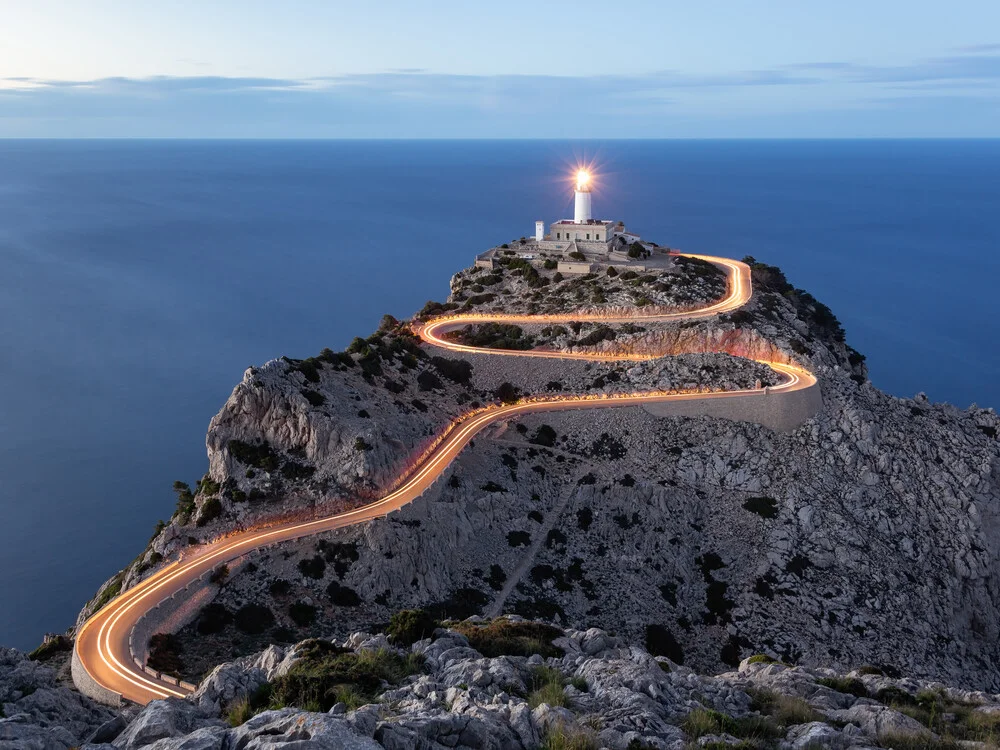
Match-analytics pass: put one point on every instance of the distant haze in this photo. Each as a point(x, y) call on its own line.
point(586, 69)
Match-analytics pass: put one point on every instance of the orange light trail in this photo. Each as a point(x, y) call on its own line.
point(102, 644)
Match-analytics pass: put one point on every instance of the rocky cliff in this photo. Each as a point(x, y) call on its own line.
point(867, 536)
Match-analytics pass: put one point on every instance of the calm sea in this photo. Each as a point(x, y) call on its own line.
point(139, 279)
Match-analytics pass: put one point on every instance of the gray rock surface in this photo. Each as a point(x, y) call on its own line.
point(615, 695)
point(875, 524)
point(37, 712)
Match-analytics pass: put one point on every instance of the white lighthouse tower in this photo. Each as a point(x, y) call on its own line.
point(583, 233)
point(582, 214)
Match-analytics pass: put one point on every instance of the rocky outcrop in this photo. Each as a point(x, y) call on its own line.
point(37, 712)
point(867, 535)
point(598, 690)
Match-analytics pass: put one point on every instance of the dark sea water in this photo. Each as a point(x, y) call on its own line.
point(139, 279)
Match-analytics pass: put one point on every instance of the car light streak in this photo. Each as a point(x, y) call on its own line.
point(102, 643)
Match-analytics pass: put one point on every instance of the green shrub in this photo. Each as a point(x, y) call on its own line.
point(762, 659)
point(309, 368)
point(408, 626)
point(492, 336)
point(253, 619)
point(259, 456)
point(279, 587)
point(786, 710)
point(501, 637)
point(547, 687)
point(57, 645)
point(313, 567)
point(360, 444)
point(636, 250)
point(185, 502)
point(456, 370)
point(342, 596)
point(849, 685)
point(702, 721)
point(164, 654)
point(562, 737)
point(219, 575)
point(896, 696)
point(549, 264)
point(239, 712)
point(518, 538)
point(765, 507)
point(213, 618)
point(599, 334)
point(326, 675)
point(661, 642)
point(210, 510)
point(544, 436)
point(577, 255)
point(428, 381)
point(110, 591)
point(302, 614)
point(507, 393)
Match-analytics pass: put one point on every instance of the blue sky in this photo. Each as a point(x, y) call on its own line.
point(623, 69)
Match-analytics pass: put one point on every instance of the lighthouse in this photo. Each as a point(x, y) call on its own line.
point(582, 214)
point(582, 233)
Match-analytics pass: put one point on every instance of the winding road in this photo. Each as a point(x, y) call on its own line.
point(102, 658)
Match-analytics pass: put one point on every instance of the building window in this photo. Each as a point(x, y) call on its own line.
point(557, 235)
point(588, 235)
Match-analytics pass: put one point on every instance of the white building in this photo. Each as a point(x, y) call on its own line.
point(583, 230)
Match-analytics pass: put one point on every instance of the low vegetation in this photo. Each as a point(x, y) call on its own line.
point(953, 721)
point(563, 737)
point(325, 675)
point(547, 686)
point(492, 336)
point(59, 644)
point(703, 721)
point(785, 710)
point(408, 626)
point(849, 685)
point(502, 637)
point(165, 654)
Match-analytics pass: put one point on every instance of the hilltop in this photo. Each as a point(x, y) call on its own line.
point(865, 536)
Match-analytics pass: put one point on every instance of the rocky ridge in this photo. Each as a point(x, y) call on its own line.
point(487, 685)
point(868, 535)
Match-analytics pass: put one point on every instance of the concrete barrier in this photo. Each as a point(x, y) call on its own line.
point(89, 686)
point(781, 411)
point(169, 616)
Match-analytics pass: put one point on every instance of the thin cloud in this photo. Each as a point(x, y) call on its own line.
point(417, 102)
point(977, 48)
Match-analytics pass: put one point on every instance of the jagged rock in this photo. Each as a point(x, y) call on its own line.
point(273, 730)
point(876, 720)
point(816, 734)
point(39, 713)
point(165, 719)
point(239, 679)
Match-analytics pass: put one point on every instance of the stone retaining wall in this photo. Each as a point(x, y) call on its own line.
point(781, 411)
point(169, 616)
point(89, 687)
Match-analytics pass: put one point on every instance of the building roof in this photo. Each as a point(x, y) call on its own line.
point(583, 223)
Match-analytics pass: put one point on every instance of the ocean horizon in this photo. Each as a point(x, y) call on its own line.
point(142, 277)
